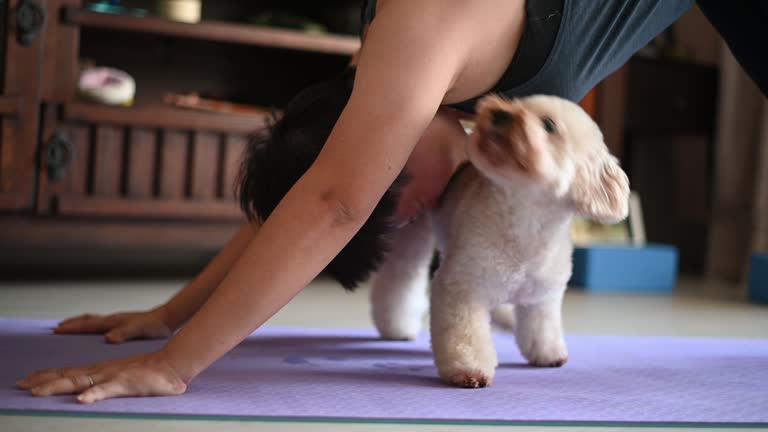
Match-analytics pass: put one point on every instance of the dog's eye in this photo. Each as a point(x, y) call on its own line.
point(549, 125)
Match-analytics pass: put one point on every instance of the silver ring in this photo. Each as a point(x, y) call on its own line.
point(91, 382)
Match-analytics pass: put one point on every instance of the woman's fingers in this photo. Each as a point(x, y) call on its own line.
point(144, 380)
point(127, 331)
point(119, 335)
point(41, 377)
point(140, 375)
point(117, 328)
point(67, 385)
point(146, 329)
point(87, 324)
point(38, 378)
point(77, 318)
point(109, 389)
point(68, 325)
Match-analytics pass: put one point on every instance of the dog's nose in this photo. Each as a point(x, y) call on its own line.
point(501, 117)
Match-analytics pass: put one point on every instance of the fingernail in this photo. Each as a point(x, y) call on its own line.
point(82, 399)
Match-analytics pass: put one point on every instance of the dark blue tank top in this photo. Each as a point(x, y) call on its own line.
point(569, 46)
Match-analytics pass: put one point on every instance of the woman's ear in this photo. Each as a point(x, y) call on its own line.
point(600, 190)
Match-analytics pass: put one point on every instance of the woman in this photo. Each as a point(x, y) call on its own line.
point(420, 65)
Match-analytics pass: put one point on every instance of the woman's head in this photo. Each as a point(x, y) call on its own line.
point(278, 158)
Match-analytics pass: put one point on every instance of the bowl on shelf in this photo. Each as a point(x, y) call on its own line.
point(188, 11)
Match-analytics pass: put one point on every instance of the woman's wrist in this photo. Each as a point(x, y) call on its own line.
point(187, 361)
point(165, 314)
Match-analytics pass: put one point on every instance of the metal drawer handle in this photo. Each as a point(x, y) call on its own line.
point(58, 156)
point(29, 20)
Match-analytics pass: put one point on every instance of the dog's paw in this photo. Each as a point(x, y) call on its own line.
point(470, 379)
point(549, 362)
point(474, 372)
point(400, 321)
point(543, 350)
point(405, 329)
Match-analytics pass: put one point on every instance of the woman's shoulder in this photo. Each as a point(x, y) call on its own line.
point(482, 36)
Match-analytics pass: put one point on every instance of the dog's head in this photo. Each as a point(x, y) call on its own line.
point(552, 145)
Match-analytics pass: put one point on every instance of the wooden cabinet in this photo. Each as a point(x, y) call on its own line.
point(19, 98)
point(78, 174)
point(139, 163)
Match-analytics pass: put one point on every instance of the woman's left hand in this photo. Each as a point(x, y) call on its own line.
point(141, 375)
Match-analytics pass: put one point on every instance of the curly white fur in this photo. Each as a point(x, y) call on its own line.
point(503, 230)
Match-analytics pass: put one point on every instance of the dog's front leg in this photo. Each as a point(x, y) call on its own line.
point(461, 335)
point(539, 333)
point(399, 289)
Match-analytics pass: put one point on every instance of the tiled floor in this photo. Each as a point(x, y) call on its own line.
point(699, 309)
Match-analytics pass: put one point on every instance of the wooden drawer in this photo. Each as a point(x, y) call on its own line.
point(120, 163)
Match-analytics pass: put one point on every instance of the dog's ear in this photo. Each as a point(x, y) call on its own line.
point(600, 190)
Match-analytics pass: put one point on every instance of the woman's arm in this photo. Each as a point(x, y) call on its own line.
point(164, 319)
point(410, 60)
point(186, 302)
point(404, 71)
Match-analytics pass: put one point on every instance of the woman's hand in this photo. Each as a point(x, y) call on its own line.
point(439, 152)
point(143, 375)
point(120, 327)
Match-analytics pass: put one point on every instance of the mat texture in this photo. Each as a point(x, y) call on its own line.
point(350, 374)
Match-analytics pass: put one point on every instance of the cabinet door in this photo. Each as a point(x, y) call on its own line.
point(19, 101)
point(139, 163)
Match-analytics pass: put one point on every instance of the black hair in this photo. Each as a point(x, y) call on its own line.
point(276, 159)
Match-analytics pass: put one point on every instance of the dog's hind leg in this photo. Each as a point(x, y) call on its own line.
point(399, 288)
point(539, 333)
point(503, 316)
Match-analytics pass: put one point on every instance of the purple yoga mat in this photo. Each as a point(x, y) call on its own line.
point(351, 374)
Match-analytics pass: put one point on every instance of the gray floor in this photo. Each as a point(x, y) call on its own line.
point(698, 309)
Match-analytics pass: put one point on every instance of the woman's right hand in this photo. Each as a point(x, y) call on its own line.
point(120, 327)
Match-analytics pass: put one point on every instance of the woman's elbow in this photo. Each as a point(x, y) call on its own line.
point(345, 209)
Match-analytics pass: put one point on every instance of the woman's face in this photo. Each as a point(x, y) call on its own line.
point(433, 161)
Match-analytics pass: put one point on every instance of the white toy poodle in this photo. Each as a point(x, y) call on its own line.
point(503, 230)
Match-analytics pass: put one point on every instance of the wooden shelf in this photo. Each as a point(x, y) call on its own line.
point(217, 31)
point(45, 232)
point(165, 117)
point(148, 208)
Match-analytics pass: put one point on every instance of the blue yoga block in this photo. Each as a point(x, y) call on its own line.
point(625, 269)
point(758, 278)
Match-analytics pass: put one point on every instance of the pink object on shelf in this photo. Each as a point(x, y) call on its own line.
point(107, 85)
